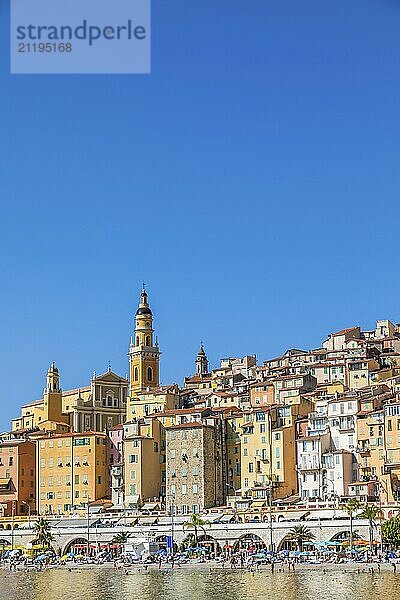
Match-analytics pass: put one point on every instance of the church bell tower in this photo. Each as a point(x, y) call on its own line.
point(144, 354)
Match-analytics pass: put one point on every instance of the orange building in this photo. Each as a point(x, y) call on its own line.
point(17, 477)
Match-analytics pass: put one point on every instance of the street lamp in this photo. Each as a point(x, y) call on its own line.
point(88, 526)
point(231, 487)
point(12, 523)
point(29, 511)
point(172, 511)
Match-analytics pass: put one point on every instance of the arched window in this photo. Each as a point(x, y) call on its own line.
point(147, 340)
point(149, 373)
point(137, 340)
point(136, 374)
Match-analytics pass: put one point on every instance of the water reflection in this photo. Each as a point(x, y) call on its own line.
point(104, 584)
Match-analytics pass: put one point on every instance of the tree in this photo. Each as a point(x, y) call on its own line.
point(391, 531)
point(196, 523)
point(188, 542)
point(370, 513)
point(353, 505)
point(301, 534)
point(43, 533)
point(121, 538)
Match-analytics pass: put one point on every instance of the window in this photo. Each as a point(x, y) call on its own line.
point(11, 461)
point(99, 479)
point(195, 471)
point(172, 453)
point(155, 446)
point(149, 374)
point(184, 489)
point(133, 458)
point(195, 488)
point(135, 371)
point(184, 472)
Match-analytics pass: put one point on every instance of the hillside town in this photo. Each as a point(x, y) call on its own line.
point(310, 426)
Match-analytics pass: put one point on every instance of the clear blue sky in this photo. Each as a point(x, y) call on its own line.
point(252, 180)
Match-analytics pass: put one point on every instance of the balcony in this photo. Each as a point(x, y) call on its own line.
point(309, 466)
point(117, 470)
point(364, 449)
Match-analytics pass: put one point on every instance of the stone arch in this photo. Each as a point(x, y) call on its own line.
point(344, 536)
point(162, 541)
point(76, 543)
point(249, 540)
point(208, 541)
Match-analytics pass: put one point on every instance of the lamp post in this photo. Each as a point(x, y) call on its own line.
point(12, 524)
point(231, 487)
point(88, 526)
point(172, 509)
point(29, 511)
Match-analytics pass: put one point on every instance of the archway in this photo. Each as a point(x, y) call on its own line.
point(77, 546)
point(209, 543)
point(162, 541)
point(249, 542)
point(343, 539)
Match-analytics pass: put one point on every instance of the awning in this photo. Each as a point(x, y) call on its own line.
point(293, 515)
point(324, 515)
point(5, 483)
point(82, 523)
point(226, 518)
point(213, 518)
point(151, 506)
point(148, 520)
point(258, 503)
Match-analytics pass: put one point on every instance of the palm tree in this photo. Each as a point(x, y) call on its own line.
point(43, 533)
point(353, 505)
point(121, 538)
point(196, 523)
point(301, 534)
point(370, 513)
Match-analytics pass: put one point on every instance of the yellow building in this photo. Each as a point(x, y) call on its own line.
point(72, 469)
point(268, 450)
point(98, 407)
point(47, 413)
point(144, 461)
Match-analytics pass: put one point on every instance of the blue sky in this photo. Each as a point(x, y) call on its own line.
point(252, 180)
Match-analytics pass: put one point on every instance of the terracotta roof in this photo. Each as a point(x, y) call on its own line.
point(344, 331)
point(188, 425)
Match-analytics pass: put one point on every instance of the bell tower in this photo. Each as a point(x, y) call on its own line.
point(144, 355)
point(52, 396)
point(201, 362)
